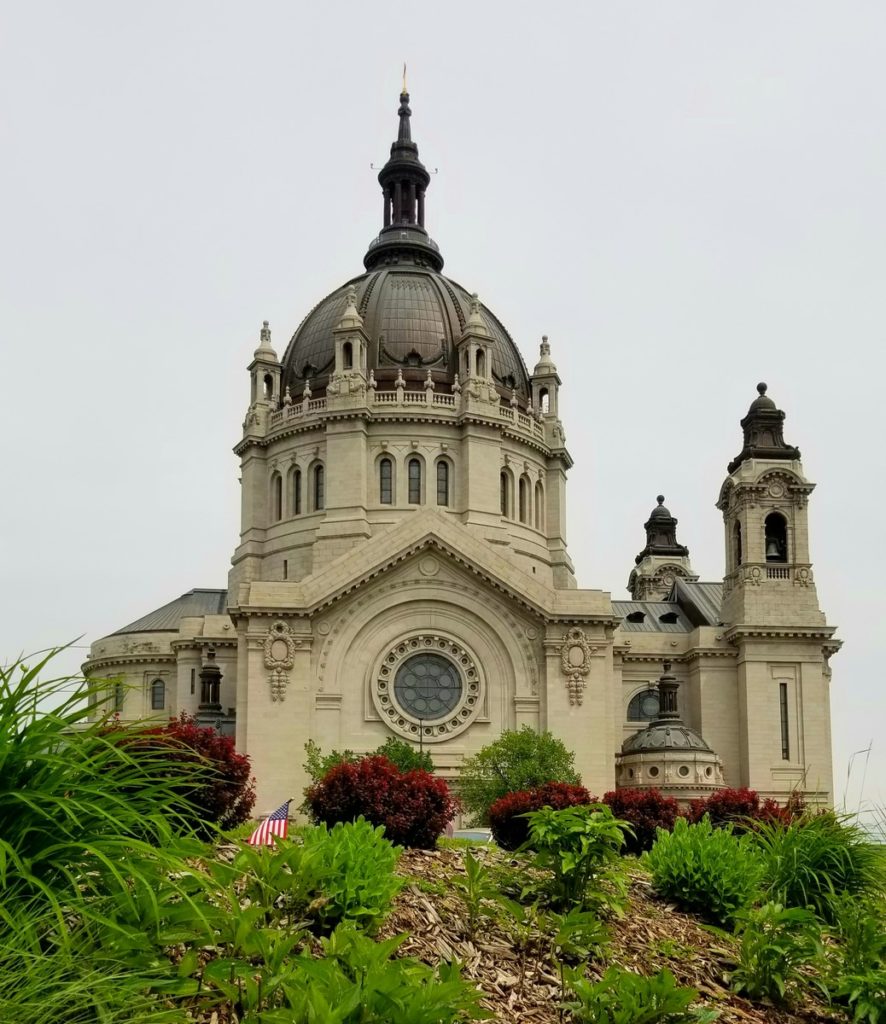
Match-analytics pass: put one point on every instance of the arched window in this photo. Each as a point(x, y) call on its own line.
point(296, 492)
point(643, 706)
point(442, 482)
point(505, 494)
point(539, 506)
point(776, 530)
point(523, 499)
point(268, 386)
point(158, 695)
point(736, 544)
point(277, 497)
point(319, 488)
point(413, 469)
point(481, 363)
point(386, 482)
point(544, 401)
point(347, 355)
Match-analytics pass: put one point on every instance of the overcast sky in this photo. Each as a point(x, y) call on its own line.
point(686, 197)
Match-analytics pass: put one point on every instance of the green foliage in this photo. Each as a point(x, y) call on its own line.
point(576, 844)
point(816, 857)
point(858, 927)
point(476, 889)
point(317, 764)
point(345, 873)
point(775, 943)
point(515, 761)
point(706, 870)
point(400, 753)
point(622, 997)
point(864, 995)
point(359, 981)
point(404, 755)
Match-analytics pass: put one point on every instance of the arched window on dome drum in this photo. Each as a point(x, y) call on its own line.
point(386, 482)
point(736, 545)
point(442, 482)
point(643, 706)
point(158, 695)
point(523, 499)
point(277, 497)
point(413, 472)
point(319, 488)
point(539, 506)
point(505, 494)
point(347, 355)
point(296, 492)
point(776, 537)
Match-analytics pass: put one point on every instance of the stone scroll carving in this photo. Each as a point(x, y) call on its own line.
point(280, 648)
point(575, 660)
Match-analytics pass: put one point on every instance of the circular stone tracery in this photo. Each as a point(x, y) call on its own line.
point(427, 686)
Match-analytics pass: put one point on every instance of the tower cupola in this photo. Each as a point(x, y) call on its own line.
point(662, 561)
point(763, 432)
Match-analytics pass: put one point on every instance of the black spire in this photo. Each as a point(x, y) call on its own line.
point(661, 534)
point(667, 696)
point(404, 180)
point(763, 432)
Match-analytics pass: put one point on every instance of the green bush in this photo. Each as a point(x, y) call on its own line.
point(622, 997)
point(404, 755)
point(401, 754)
point(706, 870)
point(345, 873)
point(816, 857)
point(576, 844)
point(858, 928)
point(864, 995)
point(775, 943)
point(515, 761)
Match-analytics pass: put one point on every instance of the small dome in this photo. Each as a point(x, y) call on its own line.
point(664, 736)
point(660, 512)
point(545, 365)
point(414, 317)
point(763, 401)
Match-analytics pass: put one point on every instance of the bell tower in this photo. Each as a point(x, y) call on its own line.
point(662, 561)
point(770, 614)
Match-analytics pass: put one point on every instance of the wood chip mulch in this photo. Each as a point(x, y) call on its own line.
point(650, 935)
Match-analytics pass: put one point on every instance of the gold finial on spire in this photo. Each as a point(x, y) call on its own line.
point(404, 77)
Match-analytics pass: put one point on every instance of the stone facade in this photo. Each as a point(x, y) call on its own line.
point(402, 566)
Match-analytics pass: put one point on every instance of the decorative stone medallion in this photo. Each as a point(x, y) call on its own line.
point(428, 686)
point(280, 648)
point(575, 660)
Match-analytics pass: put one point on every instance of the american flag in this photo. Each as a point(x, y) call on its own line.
point(276, 824)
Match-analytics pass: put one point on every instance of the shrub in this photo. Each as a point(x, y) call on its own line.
point(317, 764)
point(414, 807)
point(575, 844)
point(864, 995)
point(622, 997)
point(740, 807)
point(646, 810)
point(817, 857)
point(707, 870)
point(405, 756)
point(515, 761)
point(510, 828)
point(775, 943)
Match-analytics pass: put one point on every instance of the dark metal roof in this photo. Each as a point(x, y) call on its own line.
point(652, 612)
point(414, 318)
point(167, 618)
point(701, 602)
point(664, 736)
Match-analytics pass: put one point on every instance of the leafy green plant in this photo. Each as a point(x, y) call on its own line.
point(816, 857)
point(775, 943)
point(404, 755)
point(476, 888)
point(515, 761)
point(706, 870)
point(576, 844)
point(857, 926)
point(864, 995)
point(622, 997)
point(317, 764)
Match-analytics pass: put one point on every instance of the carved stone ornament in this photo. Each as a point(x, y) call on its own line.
point(575, 659)
point(280, 648)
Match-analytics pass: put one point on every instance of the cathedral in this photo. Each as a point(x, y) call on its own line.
point(402, 567)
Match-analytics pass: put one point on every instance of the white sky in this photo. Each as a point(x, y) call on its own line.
point(687, 197)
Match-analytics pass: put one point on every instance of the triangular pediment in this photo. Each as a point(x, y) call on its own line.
point(428, 530)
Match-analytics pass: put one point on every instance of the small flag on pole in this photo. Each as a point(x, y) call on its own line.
point(276, 824)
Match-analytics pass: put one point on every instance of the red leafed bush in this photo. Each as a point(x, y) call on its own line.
point(740, 807)
point(414, 807)
point(216, 780)
point(509, 830)
point(646, 810)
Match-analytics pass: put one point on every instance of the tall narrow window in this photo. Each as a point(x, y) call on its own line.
point(296, 492)
point(414, 472)
point(481, 363)
point(319, 488)
point(118, 697)
point(386, 482)
point(785, 731)
point(442, 482)
point(158, 695)
point(776, 534)
point(277, 497)
point(544, 401)
point(523, 499)
point(505, 504)
point(736, 544)
point(539, 507)
point(193, 680)
point(347, 355)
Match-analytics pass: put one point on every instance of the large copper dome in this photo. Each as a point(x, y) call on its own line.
point(413, 315)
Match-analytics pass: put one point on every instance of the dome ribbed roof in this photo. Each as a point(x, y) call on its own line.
point(414, 317)
point(664, 736)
